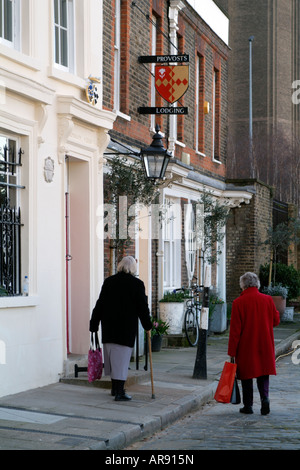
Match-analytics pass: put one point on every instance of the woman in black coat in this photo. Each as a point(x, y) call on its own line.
point(121, 302)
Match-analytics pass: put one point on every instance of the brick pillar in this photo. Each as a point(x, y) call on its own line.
point(246, 230)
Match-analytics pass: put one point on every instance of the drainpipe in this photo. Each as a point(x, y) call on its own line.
point(251, 39)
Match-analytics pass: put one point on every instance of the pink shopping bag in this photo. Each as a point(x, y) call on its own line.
point(95, 360)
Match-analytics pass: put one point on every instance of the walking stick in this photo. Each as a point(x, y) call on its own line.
point(146, 352)
point(150, 360)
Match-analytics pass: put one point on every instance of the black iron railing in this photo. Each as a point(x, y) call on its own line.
point(10, 222)
point(10, 249)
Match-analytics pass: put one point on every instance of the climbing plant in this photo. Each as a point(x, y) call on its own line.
point(211, 224)
point(126, 190)
point(279, 239)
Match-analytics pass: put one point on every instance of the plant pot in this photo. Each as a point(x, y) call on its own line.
point(218, 321)
point(172, 313)
point(280, 304)
point(156, 342)
point(288, 314)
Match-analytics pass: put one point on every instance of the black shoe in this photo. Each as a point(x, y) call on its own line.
point(121, 395)
point(265, 406)
point(247, 410)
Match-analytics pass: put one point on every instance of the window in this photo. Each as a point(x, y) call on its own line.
point(10, 23)
point(122, 12)
point(190, 240)
point(117, 63)
point(216, 115)
point(173, 117)
point(180, 119)
point(6, 25)
point(153, 52)
point(10, 218)
point(64, 34)
point(200, 105)
point(172, 244)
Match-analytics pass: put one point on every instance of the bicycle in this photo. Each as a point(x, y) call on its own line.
point(192, 314)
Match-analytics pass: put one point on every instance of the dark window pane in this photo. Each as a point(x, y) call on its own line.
point(64, 13)
point(64, 48)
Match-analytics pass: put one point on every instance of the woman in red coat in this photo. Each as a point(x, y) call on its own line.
point(251, 341)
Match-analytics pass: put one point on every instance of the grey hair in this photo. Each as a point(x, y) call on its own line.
point(127, 265)
point(249, 280)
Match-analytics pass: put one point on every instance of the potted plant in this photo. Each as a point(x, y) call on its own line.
point(171, 311)
point(3, 291)
point(159, 328)
point(217, 314)
point(279, 294)
point(289, 277)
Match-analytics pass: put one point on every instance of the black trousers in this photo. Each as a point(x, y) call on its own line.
point(247, 387)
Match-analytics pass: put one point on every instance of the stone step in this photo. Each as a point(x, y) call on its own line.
point(134, 375)
point(105, 382)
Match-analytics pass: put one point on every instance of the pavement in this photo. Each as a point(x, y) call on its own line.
point(75, 415)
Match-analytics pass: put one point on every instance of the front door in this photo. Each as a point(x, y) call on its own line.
point(77, 255)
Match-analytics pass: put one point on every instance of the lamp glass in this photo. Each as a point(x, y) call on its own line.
point(155, 165)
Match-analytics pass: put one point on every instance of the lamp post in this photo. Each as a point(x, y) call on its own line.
point(200, 367)
point(155, 157)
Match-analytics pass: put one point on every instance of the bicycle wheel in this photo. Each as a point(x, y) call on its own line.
point(191, 326)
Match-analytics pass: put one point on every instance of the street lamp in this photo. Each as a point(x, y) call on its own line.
point(155, 158)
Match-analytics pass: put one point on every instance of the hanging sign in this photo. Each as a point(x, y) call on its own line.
point(167, 110)
point(173, 58)
point(171, 81)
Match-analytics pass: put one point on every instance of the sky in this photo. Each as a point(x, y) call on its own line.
point(213, 16)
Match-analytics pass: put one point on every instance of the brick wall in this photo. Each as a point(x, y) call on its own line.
point(194, 38)
point(246, 230)
point(275, 26)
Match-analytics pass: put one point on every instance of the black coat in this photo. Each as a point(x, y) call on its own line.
point(121, 302)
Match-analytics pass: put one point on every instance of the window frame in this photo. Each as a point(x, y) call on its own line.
point(153, 52)
point(200, 121)
point(216, 118)
point(171, 235)
point(69, 28)
point(117, 57)
point(10, 168)
point(15, 22)
point(190, 240)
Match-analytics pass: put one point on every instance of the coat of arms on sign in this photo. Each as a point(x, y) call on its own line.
point(171, 81)
point(92, 90)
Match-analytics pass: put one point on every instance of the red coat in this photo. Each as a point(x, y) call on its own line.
point(251, 337)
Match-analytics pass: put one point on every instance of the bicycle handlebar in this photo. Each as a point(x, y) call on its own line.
point(194, 288)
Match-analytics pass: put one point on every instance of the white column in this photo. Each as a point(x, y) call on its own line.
point(175, 7)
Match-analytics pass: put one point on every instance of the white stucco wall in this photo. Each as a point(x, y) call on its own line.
point(46, 110)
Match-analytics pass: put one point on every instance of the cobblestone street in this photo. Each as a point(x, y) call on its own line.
point(221, 427)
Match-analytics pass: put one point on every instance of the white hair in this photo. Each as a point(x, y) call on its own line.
point(127, 265)
point(249, 280)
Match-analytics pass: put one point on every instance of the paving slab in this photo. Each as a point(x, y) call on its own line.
point(76, 415)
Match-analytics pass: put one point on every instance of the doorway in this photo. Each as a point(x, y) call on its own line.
point(77, 213)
